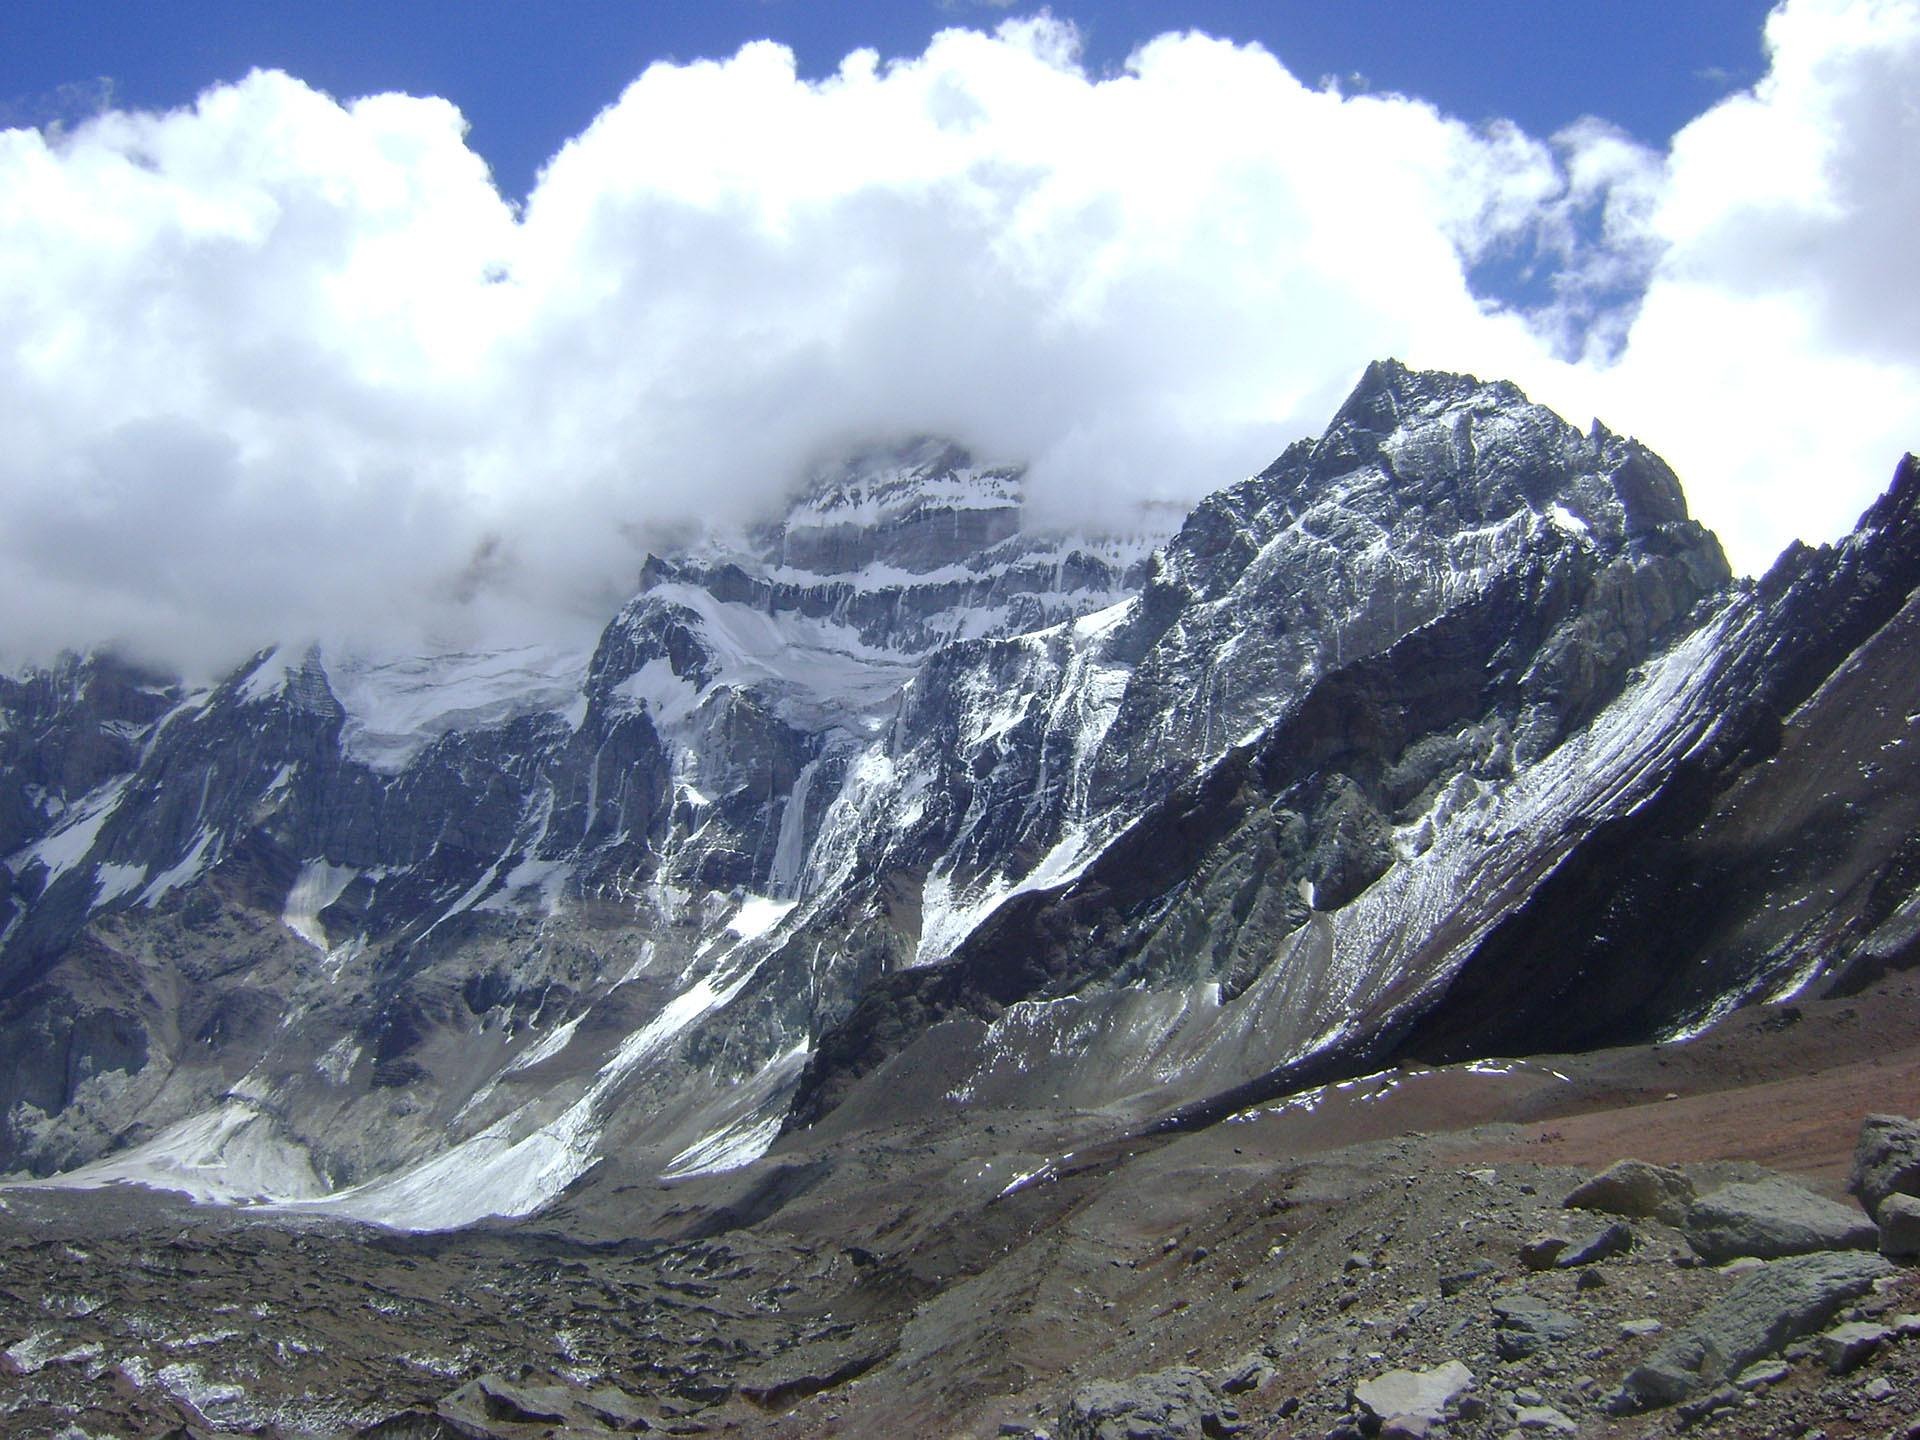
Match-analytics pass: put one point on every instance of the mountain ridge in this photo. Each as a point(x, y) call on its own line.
point(1041, 818)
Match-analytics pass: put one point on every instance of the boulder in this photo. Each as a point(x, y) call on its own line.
point(1776, 1304)
point(1177, 1403)
point(1843, 1348)
point(1637, 1189)
point(1900, 1225)
point(1540, 1252)
point(1543, 1419)
point(1772, 1218)
point(1603, 1244)
point(1886, 1160)
point(1426, 1394)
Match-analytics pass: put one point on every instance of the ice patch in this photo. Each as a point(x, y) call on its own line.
point(1565, 519)
point(268, 678)
point(112, 881)
point(546, 1047)
point(232, 1155)
point(728, 1148)
point(74, 841)
point(757, 915)
point(317, 886)
point(396, 707)
point(185, 872)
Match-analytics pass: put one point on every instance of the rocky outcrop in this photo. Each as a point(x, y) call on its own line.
point(1776, 1304)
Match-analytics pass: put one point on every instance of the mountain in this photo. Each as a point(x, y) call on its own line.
point(1447, 735)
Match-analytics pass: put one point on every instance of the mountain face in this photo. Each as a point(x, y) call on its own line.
point(1446, 732)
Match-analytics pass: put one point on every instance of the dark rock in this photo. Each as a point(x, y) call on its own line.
point(1900, 1225)
point(1886, 1160)
point(1542, 1251)
point(1604, 1244)
point(1635, 1188)
point(1249, 1372)
point(1776, 1304)
point(1772, 1218)
point(1524, 1326)
point(1454, 1282)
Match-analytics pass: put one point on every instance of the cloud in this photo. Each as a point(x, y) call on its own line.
point(1774, 357)
point(280, 365)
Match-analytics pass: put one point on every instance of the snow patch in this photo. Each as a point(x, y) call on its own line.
point(111, 881)
point(317, 886)
point(74, 841)
point(757, 915)
point(189, 869)
point(235, 1154)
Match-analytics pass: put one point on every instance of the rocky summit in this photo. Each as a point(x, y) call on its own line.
point(924, 973)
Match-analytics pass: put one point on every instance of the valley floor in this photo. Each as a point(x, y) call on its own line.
point(969, 1273)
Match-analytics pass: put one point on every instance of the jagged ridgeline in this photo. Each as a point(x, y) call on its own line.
point(1447, 734)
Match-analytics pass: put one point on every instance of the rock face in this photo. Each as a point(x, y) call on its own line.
point(1413, 745)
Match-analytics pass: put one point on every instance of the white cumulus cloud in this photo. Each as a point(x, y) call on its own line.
point(283, 365)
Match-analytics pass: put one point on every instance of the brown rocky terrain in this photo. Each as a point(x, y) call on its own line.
point(1004, 1272)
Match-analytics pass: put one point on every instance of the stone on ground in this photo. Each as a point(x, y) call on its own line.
point(1177, 1403)
point(1900, 1225)
point(1772, 1218)
point(1425, 1393)
point(1636, 1189)
point(1886, 1160)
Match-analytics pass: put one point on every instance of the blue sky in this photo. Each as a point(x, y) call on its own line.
point(409, 324)
point(529, 76)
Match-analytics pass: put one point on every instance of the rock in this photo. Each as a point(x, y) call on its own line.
point(1763, 1312)
point(1249, 1372)
point(1543, 1418)
point(1773, 1218)
point(1424, 1393)
point(1900, 1225)
point(1525, 1326)
point(1406, 1427)
point(1603, 1244)
point(1452, 1284)
point(1640, 1328)
point(1176, 1403)
point(1886, 1160)
point(1879, 1390)
point(493, 1397)
point(1635, 1188)
point(1845, 1347)
point(1766, 1372)
point(1540, 1252)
